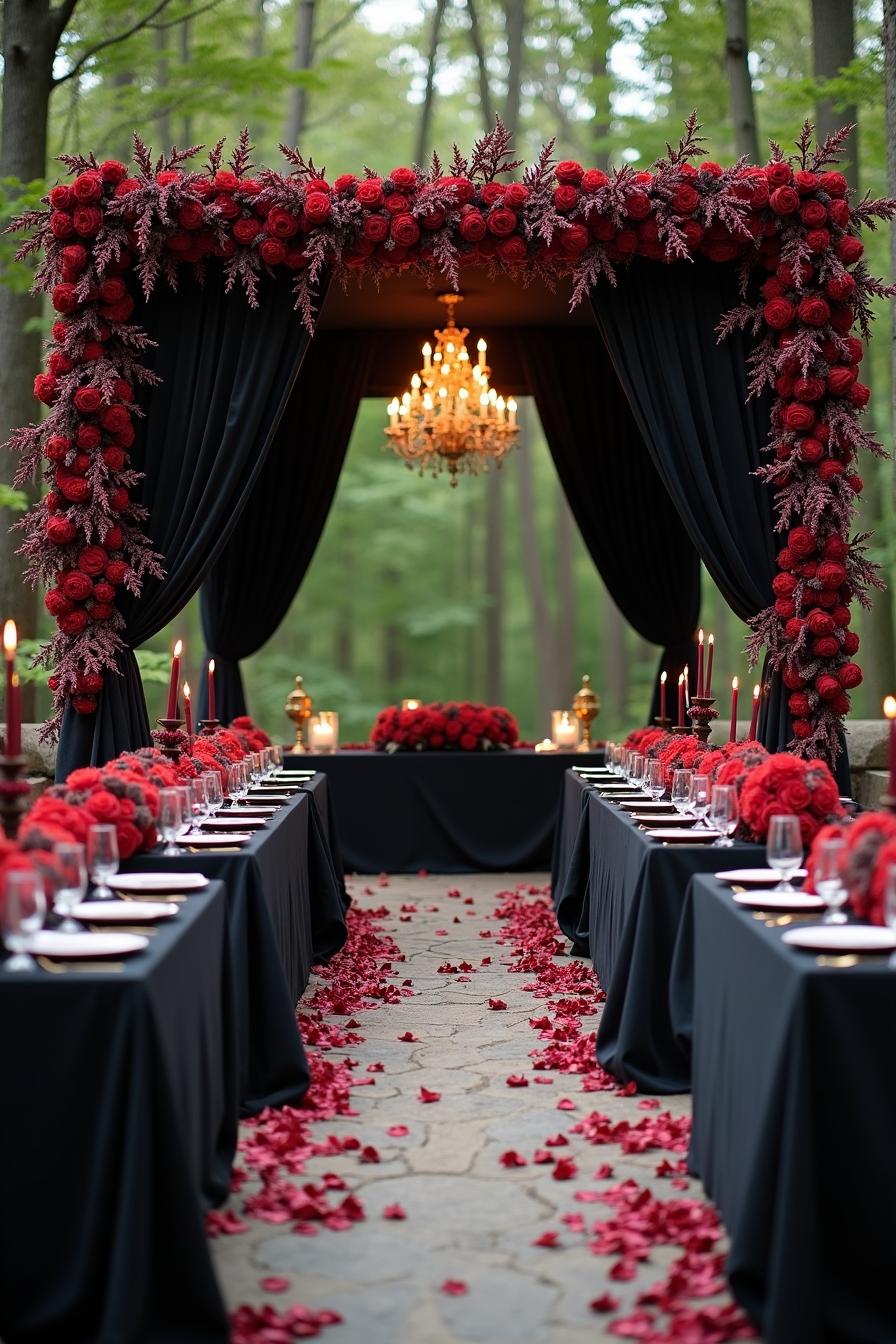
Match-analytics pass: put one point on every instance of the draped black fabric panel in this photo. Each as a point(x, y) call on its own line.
point(619, 501)
point(688, 393)
point(252, 584)
point(226, 373)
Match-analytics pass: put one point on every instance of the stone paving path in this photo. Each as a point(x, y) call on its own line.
point(468, 1218)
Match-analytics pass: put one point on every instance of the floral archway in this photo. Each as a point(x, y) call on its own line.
point(113, 233)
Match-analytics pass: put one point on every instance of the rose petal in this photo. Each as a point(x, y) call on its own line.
point(454, 1287)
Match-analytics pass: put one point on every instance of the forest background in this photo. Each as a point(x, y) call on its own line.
point(484, 592)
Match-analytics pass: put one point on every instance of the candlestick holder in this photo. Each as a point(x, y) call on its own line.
point(14, 793)
point(209, 726)
point(680, 730)
point(701, 715)
point(170, 738)
point(665, 724)
point(585, 706)
point(298, 708)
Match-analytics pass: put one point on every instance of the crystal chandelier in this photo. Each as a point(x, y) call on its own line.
point(450, 419)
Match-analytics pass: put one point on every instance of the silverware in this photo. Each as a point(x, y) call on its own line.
point(60, 967)
point(146, 929)
point(848, 959)
point(125, 897)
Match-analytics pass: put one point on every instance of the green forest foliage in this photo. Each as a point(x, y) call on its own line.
point(396, 602)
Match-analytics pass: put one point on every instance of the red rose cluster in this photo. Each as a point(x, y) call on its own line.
point(870, 853)
point(121, 794)
point(248, 734)
point(787, 784)
point(444, 726)
point(792, 223)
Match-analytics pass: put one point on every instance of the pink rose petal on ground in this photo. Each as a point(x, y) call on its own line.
point(649, 1104)
point(545, 1082)
point(565, 1169)
point(274, 1283)
point(397, 1131)
point(605, 1302)
point(454, 1287)
point(496, 1004)
point(603, 1173)
point(441, 933)
point(542, 1157)
point(408, 1036)
point(566, 1104)
point(587, 1196)
point(394, 1211)
point(421, 872)
point(427, 1096)
point(369, 1154)
point(547, 1239)
point(517, 1080)
point(512, 1159)
point(453, 893)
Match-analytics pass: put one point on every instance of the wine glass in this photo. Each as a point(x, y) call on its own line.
point(170, 818)
point(698, 800)
point(24, 908)
point(186, 809)
point(243, 768)
point(724, 813)
point(654, 782)
point(829, 883)
point(681, 790)
point(784, 849)
point(255, 768)
point(102, 859)
point(71, 868)
point(233, 782)
point(214, 791)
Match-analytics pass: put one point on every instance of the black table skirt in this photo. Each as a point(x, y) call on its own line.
point(622, 898)
point(117, 1129)
point(794, 1074)
point(285, 912)
point(447, 812)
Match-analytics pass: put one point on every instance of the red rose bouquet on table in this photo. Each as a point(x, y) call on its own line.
point(679, 752)
point(445, 726)
point(645, 739)
point(248, 734)
point(789, 784)
point(731, 763)
point(121, 797)
point(870, 853)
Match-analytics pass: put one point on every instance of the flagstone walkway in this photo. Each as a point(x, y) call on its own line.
point(442, 1248)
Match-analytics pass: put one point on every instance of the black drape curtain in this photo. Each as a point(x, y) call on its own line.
point(621, 504)
point(226, 374)
point(251, 586)
point(688, 393)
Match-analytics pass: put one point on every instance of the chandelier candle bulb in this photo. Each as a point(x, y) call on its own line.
point(732, 733)
point(754, 718)
point(711, 644)
point(700, 663)
point(511, 412)
point(481, 347)
point(13, 702)
point(174, 682)
point(427, 356)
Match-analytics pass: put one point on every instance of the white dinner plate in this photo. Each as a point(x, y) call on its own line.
point(763, 876)
point(293, 774)
point(621, 791)
point(636, 805)
point(269, 797)
point(779, 900)
point(683, 837)
point(233, 823)
point(159, 884)
point(262, 810)
point(214, 841)
point(657, 819)
point(48, 943)
point(842, 938)
point(124, 912)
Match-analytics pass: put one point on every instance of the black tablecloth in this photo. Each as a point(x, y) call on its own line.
point(447, 812)
point(624, 902)
point(285, 912)
point(117, 1127)
point(794, 1070)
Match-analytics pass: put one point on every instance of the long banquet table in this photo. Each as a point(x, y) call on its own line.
point(794, 1080)
point(117, 1130)
point(620, 895)
point(447, 812)
point(285, 911)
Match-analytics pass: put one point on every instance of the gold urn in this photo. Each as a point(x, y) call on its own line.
point(586, 707)
point(298, 708)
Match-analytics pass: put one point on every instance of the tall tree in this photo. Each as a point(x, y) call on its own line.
point(740, 83)
point(303, 59)
point(424, 126)
point(834, 48)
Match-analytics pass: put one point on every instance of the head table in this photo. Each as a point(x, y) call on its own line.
point(794, 1081)
point(619, 896)
point(118, 1128)
point(446, 812)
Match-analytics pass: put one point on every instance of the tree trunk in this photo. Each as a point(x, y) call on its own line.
point(302, 60)
point(485, 94)
point(258, 30)
point(29, 45)
point(889, 40)
point(187, 123)
point(164, 118)
point(833, 47)
point(542, 624)
point(599, 14)
point(740, 85)
point(565, 623)
point(515, 21)
point(494, 587)
point(424, 127)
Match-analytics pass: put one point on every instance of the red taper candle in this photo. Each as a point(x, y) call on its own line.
point(751, 736)
point(681, 699)
point(188, 711)
point(13, 703)
point(707, 687)
point(700, 663)
point(211, 688)
point(890, 713)
point(174, 683)
point(732, 734)
point(663, 676)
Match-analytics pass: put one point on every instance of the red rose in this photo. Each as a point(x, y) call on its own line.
point(512, 250)
point(829, 469)
point(116, 570)
point(272, 252)
point(60, 197)
point(805, 182)
point(501, 222)
point(818, 240)
point(779, 313)
point(849, 676)
point(840, 379)
point(840, 286)
point(60, 363)
point(118, 312)
point(793, 629)
point(88, 400)
point(395, 203)
point(593, 180)
point(784, 585)
point(191, 215)
point(119, 499)
point(814, 311)
point(859, 395)
point(405, 230)
point(115, 419)
point(88, 436)
point(516, 195)
point(317, 207)
point(834, 184)
point(62, 225)
point(810, 450)
point(685, 199)
point(370, 192)
point(127, 186)
point(472, 225)
point(46, 388)
point(850, 644)
point(113, 171)
point(73, 622)
point(573, 240)
point(88, 220)
point(246, 230)
point(56, 603)
point(76, 586)
point(813, 214)
point(227, 207)
point(569, 171)
point(103, 592)
point(60, 531)
point(842, 318)
point(64, 298)
point(828, 687)
point(848, 249)
point(637, 204)
point(825, 647)
point(784, 201)
point(74, 488)
point(281, 223)
point(87, 188)
point(778, 174)
point(344, 183)
point(565, 199)
point(809, 389)
point(820, 623)
point(403, 178)
point(468, 742)
point(101, 611)
point(93, 560)
point(799, 705)
point(799, 417)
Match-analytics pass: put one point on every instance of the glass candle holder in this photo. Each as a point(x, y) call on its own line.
point(564, 730)
point(411, 704)
point(323, 732)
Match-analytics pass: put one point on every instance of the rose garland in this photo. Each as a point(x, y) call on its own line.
point(111, 231)
point(444, 726)
point(786, 784)
point(870, 854)
point(248, 733)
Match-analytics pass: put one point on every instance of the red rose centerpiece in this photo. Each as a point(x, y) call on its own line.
point(445, 726)
point(870, 854)
point(785, 784)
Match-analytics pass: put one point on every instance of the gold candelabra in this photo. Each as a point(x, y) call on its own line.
point(586, 707)
point(298, 708)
